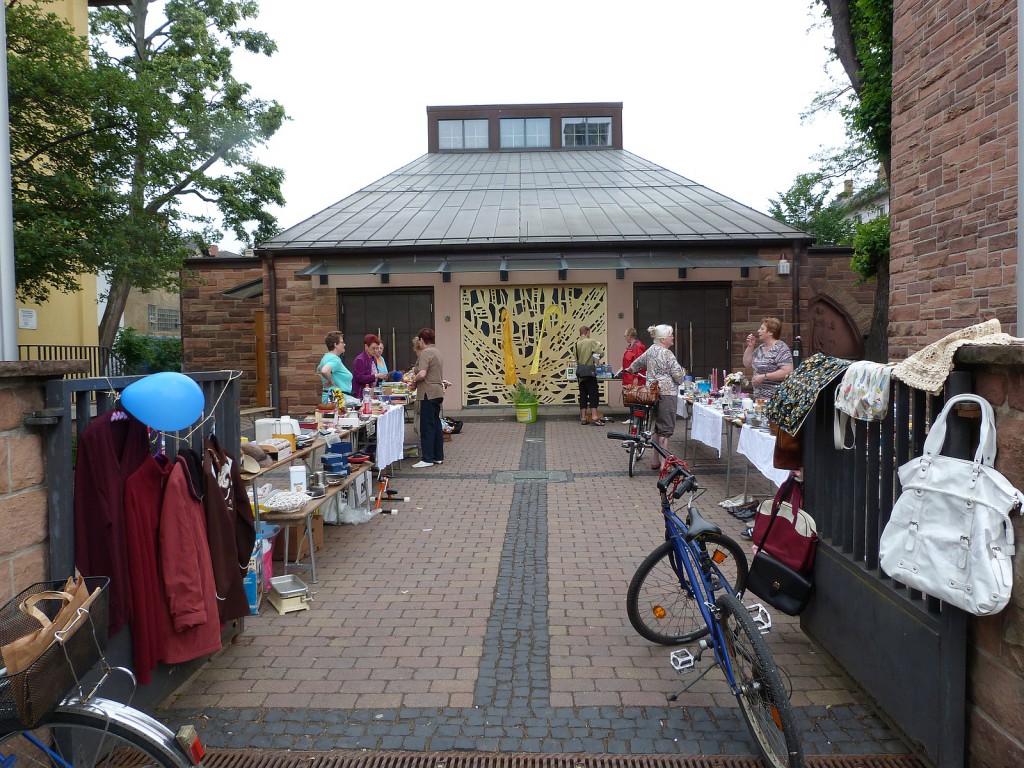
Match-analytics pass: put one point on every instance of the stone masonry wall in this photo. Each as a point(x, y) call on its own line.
point(954, 152)
point(23, 502)
point(219, 332)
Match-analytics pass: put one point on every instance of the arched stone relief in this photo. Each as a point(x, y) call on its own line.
point(833, 332)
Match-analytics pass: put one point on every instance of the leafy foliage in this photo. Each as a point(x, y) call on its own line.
point(806, 207)
point(522, 394)
point(106, 154)
point(870, 247)
point(142, 354)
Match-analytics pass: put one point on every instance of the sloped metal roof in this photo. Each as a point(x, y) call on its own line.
point(531, 199)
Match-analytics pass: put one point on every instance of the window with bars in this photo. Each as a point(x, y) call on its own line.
point(163, 319)
point(586, 131)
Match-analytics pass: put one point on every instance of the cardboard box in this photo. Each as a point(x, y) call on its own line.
point(298, 546)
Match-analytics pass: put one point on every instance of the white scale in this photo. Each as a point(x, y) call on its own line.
point(289, 593)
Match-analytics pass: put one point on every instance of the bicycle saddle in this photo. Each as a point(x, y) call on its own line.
point(698, 525)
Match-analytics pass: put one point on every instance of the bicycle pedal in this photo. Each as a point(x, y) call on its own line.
point(682, 660)
point(761, 617)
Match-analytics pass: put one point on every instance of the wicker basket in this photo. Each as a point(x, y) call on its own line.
point(28, 697)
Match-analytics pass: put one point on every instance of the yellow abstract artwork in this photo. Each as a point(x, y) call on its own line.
point(526, 333)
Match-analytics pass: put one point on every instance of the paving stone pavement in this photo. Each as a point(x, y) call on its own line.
point(489, 615)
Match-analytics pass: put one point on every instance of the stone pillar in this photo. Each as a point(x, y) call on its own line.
point(24, 515)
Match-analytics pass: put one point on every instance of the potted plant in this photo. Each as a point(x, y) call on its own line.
point(525, 399)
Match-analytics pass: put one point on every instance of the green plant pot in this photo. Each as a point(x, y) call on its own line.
point(526, 413)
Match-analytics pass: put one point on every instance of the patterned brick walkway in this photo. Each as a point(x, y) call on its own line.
point(489, 614)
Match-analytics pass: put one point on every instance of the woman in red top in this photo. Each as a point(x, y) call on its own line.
point(634, 348)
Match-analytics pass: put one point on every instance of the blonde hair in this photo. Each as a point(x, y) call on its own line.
point(660, 331)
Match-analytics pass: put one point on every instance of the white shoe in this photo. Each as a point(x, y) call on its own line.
point(626, 421)
point(439, 462)
point(422, 464)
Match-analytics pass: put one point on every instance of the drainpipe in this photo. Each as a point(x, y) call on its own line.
point(275, 374)
point(1020, 177)
point(799, 251)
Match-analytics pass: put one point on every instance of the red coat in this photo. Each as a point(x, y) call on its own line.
point(633, 351)
point(186, 567)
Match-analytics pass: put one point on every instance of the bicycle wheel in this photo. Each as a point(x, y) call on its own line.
point(660, 604)
point(760, 691)
point(100, 733)
point(634, 456)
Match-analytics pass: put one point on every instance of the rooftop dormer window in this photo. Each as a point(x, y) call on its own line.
point(525, 132)
point(586, 131)
point(462, 134)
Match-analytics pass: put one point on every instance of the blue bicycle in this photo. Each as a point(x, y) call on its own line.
point(690, 588)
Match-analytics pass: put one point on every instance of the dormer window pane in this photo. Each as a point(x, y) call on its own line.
point(475, 133)
point(521, 133)
point(586, 131)
point(462, 134)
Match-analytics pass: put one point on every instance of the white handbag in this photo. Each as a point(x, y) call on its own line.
point(950, 534)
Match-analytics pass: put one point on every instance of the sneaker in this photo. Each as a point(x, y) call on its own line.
point(422, 464)
point(439, 461)
point(748, 533)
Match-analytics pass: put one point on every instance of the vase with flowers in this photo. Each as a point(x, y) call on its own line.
point(734, 383)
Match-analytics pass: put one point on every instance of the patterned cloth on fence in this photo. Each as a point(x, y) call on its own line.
point(928, 368)
point(795, 398)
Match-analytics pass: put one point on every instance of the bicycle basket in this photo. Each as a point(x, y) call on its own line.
point(30, 696)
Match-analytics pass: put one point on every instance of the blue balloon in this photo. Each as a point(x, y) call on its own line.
point(165, 401)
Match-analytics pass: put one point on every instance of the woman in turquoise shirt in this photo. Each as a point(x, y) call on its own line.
point(333, 372)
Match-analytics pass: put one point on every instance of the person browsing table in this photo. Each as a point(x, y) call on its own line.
point(332, 370)
point(364, 367)
point(662, 366)
point(634, 348)
point(771, 360)
point(428, 379)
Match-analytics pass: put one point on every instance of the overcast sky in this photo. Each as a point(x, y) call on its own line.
point(711, 90)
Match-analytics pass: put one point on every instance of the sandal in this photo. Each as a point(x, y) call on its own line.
point(598, 422)
point(584, 422)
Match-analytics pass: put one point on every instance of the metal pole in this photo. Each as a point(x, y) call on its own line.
point(8, 313)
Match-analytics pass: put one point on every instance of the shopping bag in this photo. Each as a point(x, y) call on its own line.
point(950, 534)
point(784, 530)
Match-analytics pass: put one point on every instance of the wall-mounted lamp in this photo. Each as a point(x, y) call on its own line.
point(784, 265)
point(385, 278)
point(744, 271)
point(563, 274)
point(446, 277)
point(503, 275)
point(682, 273)
point(323, 279)
point(620, 274)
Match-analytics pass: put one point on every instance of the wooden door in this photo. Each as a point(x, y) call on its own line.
point(700, 315)
point(394, 315)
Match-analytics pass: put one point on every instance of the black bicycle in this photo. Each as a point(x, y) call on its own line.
point(641, 419)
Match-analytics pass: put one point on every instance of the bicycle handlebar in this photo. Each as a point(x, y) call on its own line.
point(689, 484)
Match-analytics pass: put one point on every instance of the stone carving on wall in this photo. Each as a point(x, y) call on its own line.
point(832, 331)
point(526, 333)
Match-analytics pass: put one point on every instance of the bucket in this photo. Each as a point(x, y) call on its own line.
point(526, 413)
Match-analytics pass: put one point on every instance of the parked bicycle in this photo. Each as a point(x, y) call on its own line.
point(641, 419)
point(689, 588)
point(50, 716)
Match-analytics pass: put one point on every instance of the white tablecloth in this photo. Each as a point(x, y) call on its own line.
point(390, 436)
point(759, 448)
point(707, 426)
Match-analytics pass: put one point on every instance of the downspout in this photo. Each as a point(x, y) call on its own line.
point(799, 251)
point(275, 374)
point(1020, 177)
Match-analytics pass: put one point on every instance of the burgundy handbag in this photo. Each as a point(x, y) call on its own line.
point(785, 531)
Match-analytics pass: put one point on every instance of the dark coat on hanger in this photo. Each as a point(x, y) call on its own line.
point(109, 450)
point(229, 527)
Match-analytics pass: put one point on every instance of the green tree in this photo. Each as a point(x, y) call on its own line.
point(59, 209)
point(862, 32)
point(806, 207)
point(178, 125)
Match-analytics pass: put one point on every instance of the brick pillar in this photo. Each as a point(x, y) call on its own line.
point(23, 502)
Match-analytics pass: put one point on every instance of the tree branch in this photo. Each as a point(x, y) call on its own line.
point(842, 35)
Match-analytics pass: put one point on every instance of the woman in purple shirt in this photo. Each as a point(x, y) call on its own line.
point(365, 372)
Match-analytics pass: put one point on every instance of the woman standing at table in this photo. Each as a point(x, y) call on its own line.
point(771, 360)
point(430, 386)
point(364, 367)
point(662, 366)
point(332, 370)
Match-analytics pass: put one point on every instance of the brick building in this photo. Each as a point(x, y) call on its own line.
point(521, 222)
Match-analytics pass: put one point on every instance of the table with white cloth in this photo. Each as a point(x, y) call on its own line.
point(706, 426)
point(758, 446)
point(390, 427)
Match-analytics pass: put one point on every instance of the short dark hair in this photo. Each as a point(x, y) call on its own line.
point(774, 326)
point(426, 335)
point(371, 338)
point(333, 338)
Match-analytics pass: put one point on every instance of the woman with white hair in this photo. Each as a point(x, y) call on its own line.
point(662, 367)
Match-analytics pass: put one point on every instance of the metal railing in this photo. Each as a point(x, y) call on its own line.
point(102, 362)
